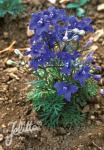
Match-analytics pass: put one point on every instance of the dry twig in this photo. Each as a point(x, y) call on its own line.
point(96, 146)
point(10, 48)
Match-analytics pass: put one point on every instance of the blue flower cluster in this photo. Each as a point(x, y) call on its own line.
point(51, 45)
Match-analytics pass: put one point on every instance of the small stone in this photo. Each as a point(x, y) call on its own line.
point(101, 82)
point(1, 148)
point(97, 106)
point(52, 1)
point(30, 32)
point(103, 43)
point(10, 62)
point(98, 123)
point(6, 35)
point(98, 34)
point(99, 134)
point(3, 126)
point(36, 2)
point(7, 109)
point(1, 137)
point(3, 115)
point(94, 47)
point(80, 137)
point(92, 117)
point(89, 134)
point(100, 7)
point(39, 123)
point(64, 1)
point(98, 98)
point(80, 147)
point(13, 76)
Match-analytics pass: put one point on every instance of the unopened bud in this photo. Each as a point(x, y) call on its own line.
point(76, 30)
point(81, 32)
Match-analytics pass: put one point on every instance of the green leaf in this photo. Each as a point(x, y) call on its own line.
point(83, 2)
point(2, 13)
point(72, 5)
point(12, 7)
point(80, 12)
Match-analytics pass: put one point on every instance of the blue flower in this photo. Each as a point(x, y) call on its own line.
point(89, 57)
point(65, 89)
point(66, 70)
point(97, 77)
point(38, 23)
point(64, 56)
point(102, 91)
point(84, 24)
point(82, 75)
point(75, 55)
point(98, 68)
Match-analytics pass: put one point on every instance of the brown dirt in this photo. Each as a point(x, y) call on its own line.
point(14, 107)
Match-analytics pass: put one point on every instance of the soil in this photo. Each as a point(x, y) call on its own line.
point(14, 86)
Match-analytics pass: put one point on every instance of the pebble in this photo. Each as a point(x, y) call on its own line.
point(3, 115)
point(90, 134)
point(13, 76)
point(92, 117)
point(98, 98)
point(94, 47)
point(63, 1)
point(98, 34)
point(101, 82)
point(98, 123)
point(3, 88)
point(39, 123)
point(36, 2)
point(80, 147)
point(100, 7)
point(52, 1)
point(1, 137)
point(29, 32)
point(99, 134)
point(6, 35)
point(3, 126)
point(11, 70)
point(97, 106)
point(1, 148)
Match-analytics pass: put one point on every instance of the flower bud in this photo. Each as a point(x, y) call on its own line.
point(81, 32)
point(65, 38)
point(75, 38)
point(102, 91)
point(11, 62)
point(76, 30)
point(17, 52)
point(97, 77)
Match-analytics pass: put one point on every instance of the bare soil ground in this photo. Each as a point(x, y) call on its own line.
point(13, 104)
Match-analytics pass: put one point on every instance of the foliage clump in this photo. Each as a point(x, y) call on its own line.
point(12, 7)
point(77, 5)
point(65, 74)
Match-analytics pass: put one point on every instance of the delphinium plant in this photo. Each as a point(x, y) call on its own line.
point(12, 7)
point(65, 82)
point(77, 5)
